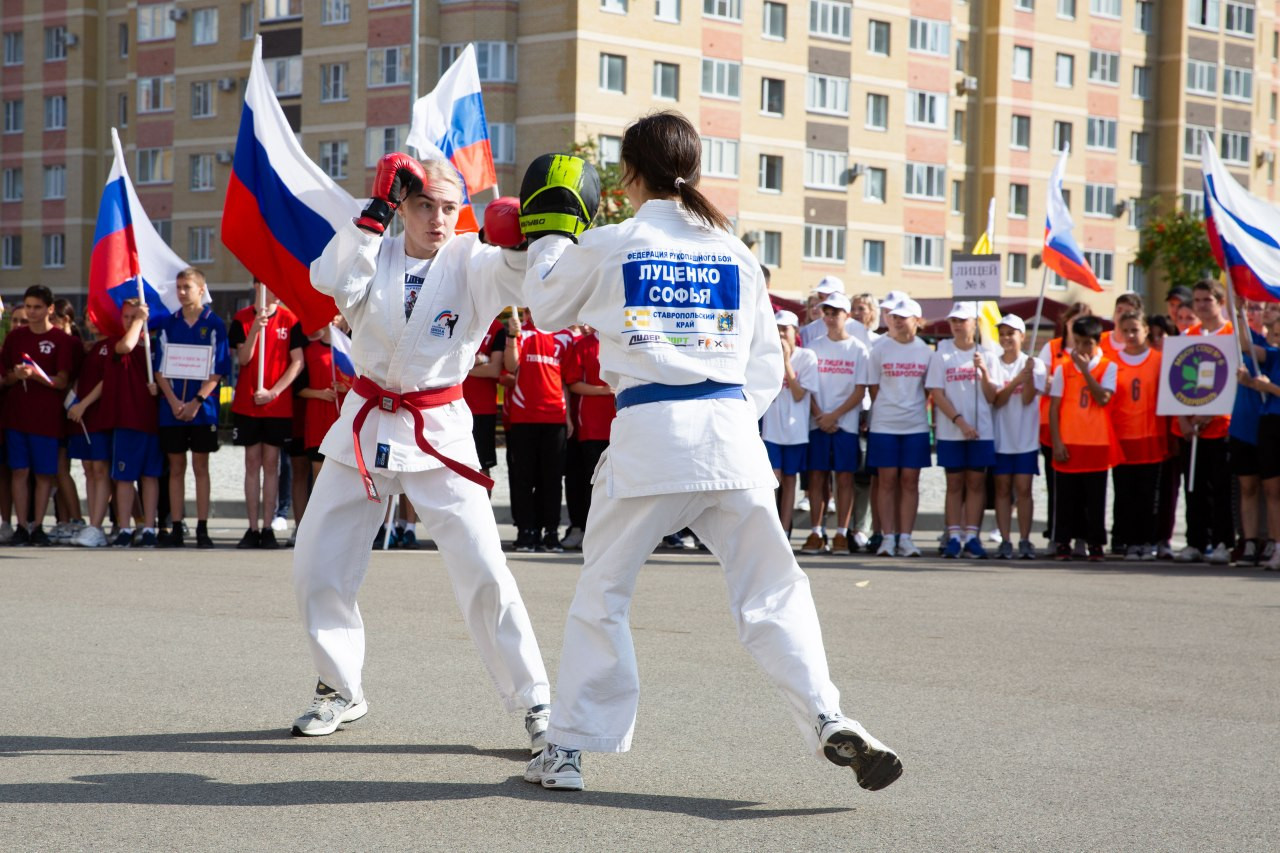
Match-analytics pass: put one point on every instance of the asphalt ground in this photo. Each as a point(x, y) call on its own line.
point(1036, 706)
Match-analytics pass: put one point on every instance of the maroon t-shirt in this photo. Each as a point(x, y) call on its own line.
point(593, 415)
point(92, 371)
point(33, 406)
point(125, 397)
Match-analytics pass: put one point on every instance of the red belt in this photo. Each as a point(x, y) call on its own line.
point(415, 402)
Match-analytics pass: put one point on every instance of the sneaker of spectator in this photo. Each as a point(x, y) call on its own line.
point(6, 533)
point(572, 540)
point(90, 537)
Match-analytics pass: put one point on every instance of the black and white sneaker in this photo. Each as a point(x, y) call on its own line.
point(328, 710)
point(535, 723)
point(551, 543)
point(846, 743)
point(526, 541)
point(556, 767)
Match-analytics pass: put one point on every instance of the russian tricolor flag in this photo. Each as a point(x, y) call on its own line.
point(449, 124)
point(128, 255)
point(281, 209)
point(35, 368)
point(1240, 227)
point(1061, 253)
point(340, 350)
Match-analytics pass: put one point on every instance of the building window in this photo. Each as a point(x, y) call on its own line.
point(1021, 62)
point(618, 7)
point(1272, 108)
point(13, 116)
point(878, 38)
point(333, 158)
point(201, 172)
point(928, 36)
point(1017, 272)
point(775, 21)
point(495, 60)
point(1061, 136)
point(1100, 200)
point(200, 244)
point(824, 243)
point(925, 180)
point(1100, 133)
point(1144, 16)
point(666, 81)
point(877, 111)
point(1019, 198)
point(1139, 147)
point(55, 112)
point(1235, 147)
point(1202, 78)
point(957, 127)
point(55, 182)
point(155, 95)
point(772, 96)
point(164, 227)
point(957, 197)
point(13, 51)
point(55, 251)
point(286, 75)
point(1137, 214)
point(669, 11)
point(826, 94)
point(719, 157)
point(122, 37)
point(927, 109)
point(1193, 141)
point(1203, 13)
point(275, 10)
point(333, 82)
point(921, 252)
point(1104, 67)
point(876, 181)
point(1237, 83)
point(1193, 202)
point(771, 249)
point(155, 166)
point(825, 169)
point(246, 21)
point(502, 141)
point(1067, 9)
point(610, 149)
point(203, 104)
point(613, 73)
point(122, 109)
point(1142, 82)
point(1239, 19)
point(962, 55)
point(728, 9)
point(1136, 280)
point(1020, 132)
point(770, 173)
point(1105, 8)
point(830, 18)
point(1064, 70)
point(721, 78)
point(383, 140)
point(388, 66)
point(204, 26)
point(12, 185)
point(155, 23)
point(873, 257)
point(1024, 5)
point(11, 251)
point(1102, 264)
point(335, 11)
point(55, 44)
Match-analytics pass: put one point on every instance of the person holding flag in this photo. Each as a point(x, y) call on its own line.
point(38, 360)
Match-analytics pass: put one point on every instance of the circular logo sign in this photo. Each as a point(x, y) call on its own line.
point(1198, 375)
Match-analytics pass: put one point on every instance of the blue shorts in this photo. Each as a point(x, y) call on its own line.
point(887, 450)
point(95, 448)
point(1017, 463)
point(966, 455)
point(135, 454)
point(787, 458)
point(838, 451)
point(28, 450)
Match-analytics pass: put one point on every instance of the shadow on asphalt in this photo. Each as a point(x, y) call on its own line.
point(191, 789)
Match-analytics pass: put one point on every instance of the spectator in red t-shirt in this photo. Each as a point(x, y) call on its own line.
point(66, 495)
point(89, 440)
point(34, 415)
point(263, 416)
point(321, 396)
point(17, 319)
point(592, 405)
point(536, 438)
point(480, 390)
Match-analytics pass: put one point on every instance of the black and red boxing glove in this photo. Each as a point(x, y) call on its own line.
point(398, 177)
point(502, 223)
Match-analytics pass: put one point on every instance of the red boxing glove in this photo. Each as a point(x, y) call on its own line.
point(502, 223)
point(398, 177)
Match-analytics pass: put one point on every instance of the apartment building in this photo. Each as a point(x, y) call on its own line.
point(862, 139)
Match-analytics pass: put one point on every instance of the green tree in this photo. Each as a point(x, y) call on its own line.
point(614, 205)
point(1175, 244)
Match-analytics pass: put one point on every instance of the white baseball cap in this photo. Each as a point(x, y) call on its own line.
point(786, 318)
point(1013, 321)
point(906, 308)
point(829, 284)
point(963, 311)
point(837, 300)
point(893, 299)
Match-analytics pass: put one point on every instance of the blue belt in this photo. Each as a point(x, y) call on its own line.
point(656, 393)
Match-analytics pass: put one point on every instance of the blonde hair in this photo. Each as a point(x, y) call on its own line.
point(442, 172)
point(194, 273)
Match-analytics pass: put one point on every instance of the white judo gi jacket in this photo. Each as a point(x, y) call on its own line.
point(676, 303)
point(467, 285)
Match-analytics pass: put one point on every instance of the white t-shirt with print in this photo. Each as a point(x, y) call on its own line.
point(842, 367)
point(1017, 423)
point(952, 371)
point(899, 370)
point(786, 421)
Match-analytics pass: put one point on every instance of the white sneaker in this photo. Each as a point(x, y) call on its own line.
point(803, 504)
point(1164, 552)
point(556, 767)
point(887, 545)
point(1148, 553)
point(1189, 554)
point(1081, 551)
point(860, 539)
point(535, 723)
point(1133, 553)
point(328, 710)
point(1273, 564)
point(1219, 555)
point(6, 533)
point(994, 537)
point(907, 548)
point(846, 743)
point(90, 537)
point(279, 525)
point(572, 538)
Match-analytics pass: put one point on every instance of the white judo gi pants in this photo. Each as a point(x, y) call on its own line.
point(332, 556)
point(598, 688)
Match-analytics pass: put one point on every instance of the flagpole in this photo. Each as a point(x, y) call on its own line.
point(414, 13)
point(262, 338)
point(146, 332)
point(1035, 333)
point(333, 372)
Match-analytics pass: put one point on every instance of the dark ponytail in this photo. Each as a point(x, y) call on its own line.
point(664, 151)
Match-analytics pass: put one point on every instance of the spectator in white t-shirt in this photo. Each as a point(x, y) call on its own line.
point(964, 429)
point(785, 425)
point(814, 327)
point(1014, 380)
point(864, 526)
point(898, 446)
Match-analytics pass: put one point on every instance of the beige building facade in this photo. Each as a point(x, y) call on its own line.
point(859, 139)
